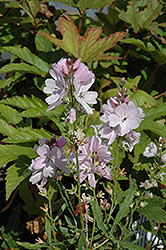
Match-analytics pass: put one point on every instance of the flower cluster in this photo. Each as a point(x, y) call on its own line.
point(93, 157)
point(51, 159)
point(156, 173)
point(70, 83)
point(120, 117)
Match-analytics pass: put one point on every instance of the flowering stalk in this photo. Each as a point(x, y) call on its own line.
point(94, 217)
point(52, 224)
point(79, 195)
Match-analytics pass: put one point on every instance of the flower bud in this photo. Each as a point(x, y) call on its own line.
point(114, 101)
point(69, 61)
point(119, 94)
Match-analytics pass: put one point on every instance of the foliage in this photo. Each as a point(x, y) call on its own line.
point(126, 41)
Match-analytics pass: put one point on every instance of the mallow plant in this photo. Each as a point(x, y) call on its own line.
point(105, 212)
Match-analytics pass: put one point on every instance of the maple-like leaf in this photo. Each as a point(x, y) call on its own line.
point(89, 47)
point(144, 19)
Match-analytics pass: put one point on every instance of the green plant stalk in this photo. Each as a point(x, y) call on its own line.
point(79, 196)
point(114, 178)
point(94, 221)
point(52, 224)
point(131, 215)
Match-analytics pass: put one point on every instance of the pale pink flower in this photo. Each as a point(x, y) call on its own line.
point(62, 66)
point(51, 158)
point(83, 80)
point(150, 150)
point(108, 133)
point(125, 118)
point(163, 158)
point(87, 169)
point(83, 96)
point(71, 117)
point(93, 157)
point(131, 139)
point(119, 118)
point(160, 176)
point(82, 73)
point(57, 87)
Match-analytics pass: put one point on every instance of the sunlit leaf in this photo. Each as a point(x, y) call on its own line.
point(10, 114)
point(26, 55)
point(22, 67)
point(27, 135)
point(7, 129)
point(24, 102)
point(12, 152)
point(141, 98)
point(89, 47)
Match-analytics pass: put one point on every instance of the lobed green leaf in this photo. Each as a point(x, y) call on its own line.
point(89, 47)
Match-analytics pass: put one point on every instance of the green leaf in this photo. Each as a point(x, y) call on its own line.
point(67, 2)
point(22, 67)
point(159, 55)
point(149, 122)
point(128, 245)
point(31, 206)
point(16, 174)
point(12, 152)
point(14, 79)
point(66, 200)
point(34, 112)
point(48, 229)
point(153, 210)
point(43, 44)
point(98, 216)
point(92, 4)
point(7, 129)
point(13, 4)
point(141, 98)
point(155, 112)
point(27, 135)
point(81, 241)
point(155, 127)
point(131, 16)
point(140, 19)
point(24, 102)
point(150, 13)
point(125, 205)
point(88, 47)
point(26, 55)
point(31, 246)
point(10, 114)
point(148, 226)
point(156, 31)
point(31, 7)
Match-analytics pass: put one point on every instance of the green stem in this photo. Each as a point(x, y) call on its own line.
point(94, 216)
point(52, 224)
point(116, 162)
point(79, 196)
